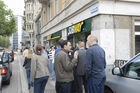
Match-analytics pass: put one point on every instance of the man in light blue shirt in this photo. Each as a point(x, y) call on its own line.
point(59, 46)
point(44, 51)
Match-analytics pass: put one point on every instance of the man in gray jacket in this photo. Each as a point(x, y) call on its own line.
point(80, 70)
point(64, 68)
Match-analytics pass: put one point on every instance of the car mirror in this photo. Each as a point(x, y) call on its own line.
point(116, 71)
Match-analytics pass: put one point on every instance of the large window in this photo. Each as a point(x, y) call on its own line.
point(56, 7)
point(137, 37)
point(49, 11)
point(137, 44)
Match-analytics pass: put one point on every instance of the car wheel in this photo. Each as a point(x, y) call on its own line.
point(107, 90)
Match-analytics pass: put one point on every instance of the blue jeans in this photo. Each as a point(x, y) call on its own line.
point(63, 87)
point(96, 85)
point(50, 60)
point(53, 73)
point(28, 75)
point(52, 69)
point(39, 84)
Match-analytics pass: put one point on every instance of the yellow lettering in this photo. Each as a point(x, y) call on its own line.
point(50, 37)
point(77, 27)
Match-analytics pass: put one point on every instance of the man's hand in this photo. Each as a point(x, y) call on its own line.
point(75, 54)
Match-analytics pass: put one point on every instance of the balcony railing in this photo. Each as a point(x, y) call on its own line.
point(43, 1)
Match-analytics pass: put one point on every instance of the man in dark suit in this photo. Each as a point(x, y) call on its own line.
point(80, 69)
point(95, 66)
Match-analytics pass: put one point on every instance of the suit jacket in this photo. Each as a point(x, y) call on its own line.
point(95, 62)
point(80, 70)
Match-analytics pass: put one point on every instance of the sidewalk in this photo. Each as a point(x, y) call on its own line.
point(50, 87)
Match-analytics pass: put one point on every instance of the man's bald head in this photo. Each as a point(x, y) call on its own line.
point(91, 40)
point(81, 44)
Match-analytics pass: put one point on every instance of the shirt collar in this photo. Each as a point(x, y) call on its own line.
point(64, 50)
point(94, 44)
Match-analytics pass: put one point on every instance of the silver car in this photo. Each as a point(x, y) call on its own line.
point(125, 79)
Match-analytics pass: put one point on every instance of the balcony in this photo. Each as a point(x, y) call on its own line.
point(43, 1)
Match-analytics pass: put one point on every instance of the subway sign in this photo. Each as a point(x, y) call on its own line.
point(75, 28)
point(84, 26)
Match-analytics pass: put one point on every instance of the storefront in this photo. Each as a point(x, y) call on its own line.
point(79, 32)
point(52, 39)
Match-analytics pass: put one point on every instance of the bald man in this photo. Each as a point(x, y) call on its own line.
point(80, 69)
point(95, 66)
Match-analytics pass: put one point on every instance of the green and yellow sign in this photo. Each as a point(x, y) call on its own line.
point(84, 26)
point(55, 35)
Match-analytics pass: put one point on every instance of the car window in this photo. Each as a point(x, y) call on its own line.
point(0, 57)
point(133, 68)
point(5, 57)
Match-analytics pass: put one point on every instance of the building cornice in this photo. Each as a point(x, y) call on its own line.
point(51, 24)
point(119, 8)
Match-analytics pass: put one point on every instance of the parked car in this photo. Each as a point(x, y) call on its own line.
point(124, 79)
point(6, 68)
point(0, 77)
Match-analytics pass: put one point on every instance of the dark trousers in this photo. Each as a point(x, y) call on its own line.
point(39, 84)
point(96, 85)
point(63, 87)
point(81, 80)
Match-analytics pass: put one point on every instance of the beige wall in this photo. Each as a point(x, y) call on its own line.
point(52, 9)
point(59, 5)
point(46, 14)
point(67, 2)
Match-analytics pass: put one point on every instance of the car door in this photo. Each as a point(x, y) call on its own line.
point(129, 81)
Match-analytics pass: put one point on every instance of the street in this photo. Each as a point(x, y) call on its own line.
point(18, 83)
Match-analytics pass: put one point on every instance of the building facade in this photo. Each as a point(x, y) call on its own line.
point(115, 23)
point(17, 37)
point(37, 22)
point(29, 23)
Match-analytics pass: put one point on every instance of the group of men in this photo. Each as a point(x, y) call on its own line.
point(90, 67)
